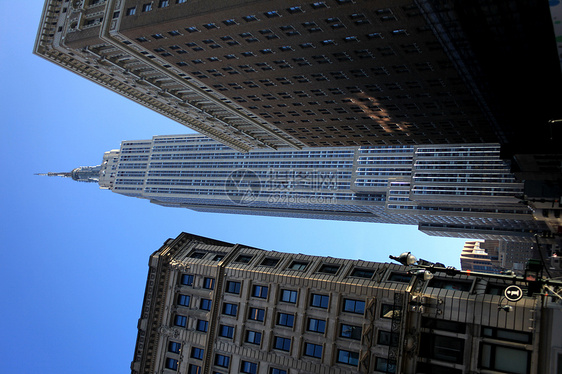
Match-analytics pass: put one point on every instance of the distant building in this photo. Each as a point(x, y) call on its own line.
point(215, 307)
point(447, 190)
point(475, 258)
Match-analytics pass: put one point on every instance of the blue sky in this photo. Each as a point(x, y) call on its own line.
point(73, 257)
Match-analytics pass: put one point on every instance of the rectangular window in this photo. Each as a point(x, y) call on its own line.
point(233, 287)
point(209, 283)
point(256, 314)
point(226, 331)
point(180, 320)
point(197, 353)
point(298, 265)
point(194, 369)
point(384, 366)
point(504, 359)
point(329, 269)
point(131, 11)
point(289, 296)
point(439, 324)
point(362, 273)
point(197, 254)
point(277, 371)
point(320, 301)
point(147, 7)
point(449, 284)
point(222, 361)
point(174, 347)
point(509, 335)
point(202, 325)
point(205, 304)
point(350, 331)
point(230, 309)
point(253, 337)
point(353, 306)
point(443, 348)
point(284, 319)
point(388, 338)
point(313, 350)
point(163, 3)
point(316, 325)
point(348, 357)
point(245, 259)
point(248, 367)
point(387, 311)
point(187, 280)
point(181, 1)
point(260, 291)
point(171, 363)
point(270, 262)
point(283, 344)
point(184, 300)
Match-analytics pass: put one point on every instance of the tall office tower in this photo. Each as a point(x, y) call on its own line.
point(475, 258)
point(215, 307)
point(460, 190)
point(269, 74)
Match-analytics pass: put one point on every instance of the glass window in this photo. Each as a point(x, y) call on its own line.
point(439, 324)
point(442, 348)
point(205, 304)
point(180, 320)
point(388, 338)
point(298, 265)
point(509, 335)
point(316, 325)
point(131, 11)
point(197, 254)
point(171, 363)
point(384, 366)
point(283, 344)
point(197, 353)
point(348, 357)
point(174, 347)
point(350, 331)
point(230, 309)
point(270, 261)
point(187, 280)
point(400, 277)
point(329, 269)
point(163, 3)
point(222, 360)
point(387, 311)
point(449, 284)
point(233, 287)
point(245, 259)
point(253, 337)
point(194, 369)
point(217, 257)
point(226, 331)
point(320, 301)
point(289, 296)
point(277, 371)
point(147, 7)
point(256, 314)
point(248, 367)
point(209, 283)
point(284, 319)
point(184, 300)
point(362, 273)
point(313, 350)
point(504, 359)
point(260, 291)
point(353, 306)
point(202, 325)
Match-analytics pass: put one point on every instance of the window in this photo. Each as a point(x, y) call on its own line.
point(348, 357)
point(400, 277)
point(248, 367)
point(209, 283)
point(233, 287)
point(289, 296)
point(277, 371)
point(230, 309)
point(202, 325)
point(298, 265)
point(285, 319)
point(320, 301)
point(226, 331)
point(250, 18)
point(256, 314)
point(210, 26)
point(222, 360)
point(384, 366)
point(270, 261)
point(171, 363)
point(329, 269)
point(184, 300)
point(205, 304)
point(313, 350)
point(388, 338)
point(350, 331)
point(442, 348)
point(163, 3)
point(294, 9)
point(353, 306)
point(504, 359)
point(181, 1)
point(259, 291)
point(229, 22)
point(283, 344)
point(424, 367)
point(449, 284)
point(253, 337)
point(180, 320)
point(509, 335)
point(147, 7)
point(131, 11)
point(318, 5)
point(197, 353)
point(387, 311)
point(197, 255)
point(174, 347)
point(438, 324)
point(245, 259)
point(362, 273)
point(316, 325)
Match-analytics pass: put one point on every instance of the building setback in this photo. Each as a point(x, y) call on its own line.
point(269, 74)
point(215, 307)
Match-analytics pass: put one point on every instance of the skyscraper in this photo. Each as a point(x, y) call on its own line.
point(460, 190)
point(216, 307)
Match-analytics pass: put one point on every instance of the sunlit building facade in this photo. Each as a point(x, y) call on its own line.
point(216, 307)
point(460, 190)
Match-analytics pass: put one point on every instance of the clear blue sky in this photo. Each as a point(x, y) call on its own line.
point(73, 257)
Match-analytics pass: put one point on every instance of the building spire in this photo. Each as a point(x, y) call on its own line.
point(88, 174)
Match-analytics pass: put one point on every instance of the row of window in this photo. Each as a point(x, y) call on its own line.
point(147, 7)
